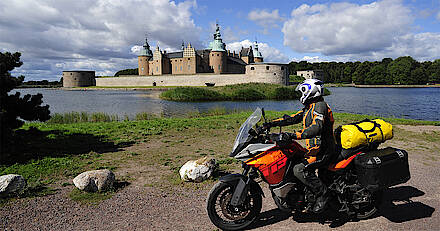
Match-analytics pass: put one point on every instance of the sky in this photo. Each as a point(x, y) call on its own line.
point(104, 35)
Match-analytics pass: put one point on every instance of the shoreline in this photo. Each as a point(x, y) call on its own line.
point(381, 86)
point(149, 88)
point(115, 88)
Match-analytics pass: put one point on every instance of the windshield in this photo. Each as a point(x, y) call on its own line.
point(243, 133)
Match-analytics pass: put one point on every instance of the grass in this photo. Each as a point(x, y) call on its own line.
point(88, 198)
point(53, 153)
point(78, 117)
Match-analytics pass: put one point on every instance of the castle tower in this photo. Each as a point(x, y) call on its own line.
point(258, 58)
point(218, 56)
point(143, 59)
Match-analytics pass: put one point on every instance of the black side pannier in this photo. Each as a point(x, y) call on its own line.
point(382, 168)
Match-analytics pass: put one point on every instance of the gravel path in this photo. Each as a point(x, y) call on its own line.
point(413, 206)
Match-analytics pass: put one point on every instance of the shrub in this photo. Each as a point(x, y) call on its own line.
point(281, 93)
point(191, 94)
point(247, 94)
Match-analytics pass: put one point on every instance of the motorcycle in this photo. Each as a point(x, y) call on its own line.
point(235, 201)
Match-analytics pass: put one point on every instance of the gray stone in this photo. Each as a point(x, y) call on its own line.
point(93, 181)
point(198, 170)
point(12, 183)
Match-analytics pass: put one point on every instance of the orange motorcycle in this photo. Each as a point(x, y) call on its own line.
point(355, 182)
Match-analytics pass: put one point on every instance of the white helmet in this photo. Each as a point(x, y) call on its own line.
point(310, 88)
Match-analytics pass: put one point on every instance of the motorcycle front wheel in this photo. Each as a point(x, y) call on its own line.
point(228, 217)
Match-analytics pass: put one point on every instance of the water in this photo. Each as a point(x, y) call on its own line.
point(413, 103)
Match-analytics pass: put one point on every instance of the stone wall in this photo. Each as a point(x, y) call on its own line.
point(187, 80)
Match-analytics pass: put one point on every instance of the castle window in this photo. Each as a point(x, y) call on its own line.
point(282, 68)
point(189, 59)
point(189, 67)
point(70, 73)
point(252, 68)
point(274, 73)
point(219, 67)
point(217, 54)
point(267, 67)
point(180, 68)
point(157, 68)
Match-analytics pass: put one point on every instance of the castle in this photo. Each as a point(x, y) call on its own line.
point(190, 67)
point(215, 59)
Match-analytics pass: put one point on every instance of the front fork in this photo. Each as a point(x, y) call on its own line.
point(245, 183)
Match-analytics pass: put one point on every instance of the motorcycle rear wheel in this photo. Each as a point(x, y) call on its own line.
point(227, 217)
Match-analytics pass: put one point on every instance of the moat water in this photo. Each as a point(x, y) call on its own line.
point(412, 103)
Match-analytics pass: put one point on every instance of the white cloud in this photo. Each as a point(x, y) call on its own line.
point(270, 54)
point(94, 31)
point(313, 59)
point(345, 28)
point(265, 19)
point(359, 32)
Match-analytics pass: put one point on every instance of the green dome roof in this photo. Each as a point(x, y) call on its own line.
point(217, 44)
point(256, 52)
point(145, 50)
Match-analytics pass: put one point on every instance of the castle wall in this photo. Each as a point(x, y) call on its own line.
point(236, 69)
point(187, 80)
point(182, 66)
point(78, 78)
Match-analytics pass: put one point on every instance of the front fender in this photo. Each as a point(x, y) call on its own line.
point(233, 179)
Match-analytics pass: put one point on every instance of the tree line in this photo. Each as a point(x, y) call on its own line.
point(403, 70)
point(134, 71)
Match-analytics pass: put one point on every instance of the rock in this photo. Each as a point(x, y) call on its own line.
point(93, 181)
point(198, 170)
point(12, 183)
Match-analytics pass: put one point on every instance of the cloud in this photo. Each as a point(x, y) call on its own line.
point(93, 31)
point(438, 16)
point(265, 19)
point(270, 54)
point(376, 30)
point(345, 28)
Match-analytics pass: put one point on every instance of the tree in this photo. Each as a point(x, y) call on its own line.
point(361, 72)
point(400, 70)
point(134, 71)
point(434, 71)
point(13, 108)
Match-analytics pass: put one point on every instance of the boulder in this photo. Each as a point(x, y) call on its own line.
point(11, 184)
point(93, 181)
point(198, 170)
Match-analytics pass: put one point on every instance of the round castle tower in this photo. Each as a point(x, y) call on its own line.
point(143, 58)
point(78, 78)
point(218, 56)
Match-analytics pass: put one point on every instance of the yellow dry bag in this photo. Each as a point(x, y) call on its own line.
point(365, 132)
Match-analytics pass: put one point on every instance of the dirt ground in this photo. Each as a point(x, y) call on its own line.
point(151, 203)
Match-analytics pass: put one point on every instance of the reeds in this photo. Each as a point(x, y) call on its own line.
point(81, 117)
